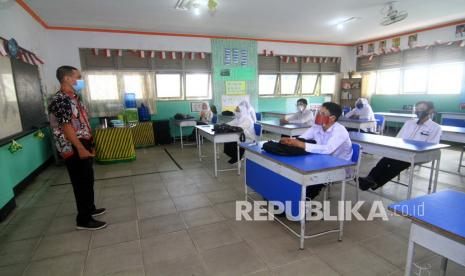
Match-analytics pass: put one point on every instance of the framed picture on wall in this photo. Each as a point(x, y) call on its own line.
point(196, 106)
point(412, 40)
point(460, 31)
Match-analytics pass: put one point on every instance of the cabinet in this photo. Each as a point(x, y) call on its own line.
point(351, 90)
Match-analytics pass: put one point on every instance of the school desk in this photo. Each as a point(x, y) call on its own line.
point(453, 118)
point(286, 178)
point(114, 144)
point(276, 114)
point(414, 152)
point(357, 123)
point(288, 129)
point(396, 117)
point(454, 134)
point(206, 131)
point(438, 224)
point(184, 123)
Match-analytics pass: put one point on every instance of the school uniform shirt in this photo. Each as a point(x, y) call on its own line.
point(302, 117)
point(246, 123)
point(334, 141)
point(429, 131)
point(365, 113)
point(206, 116)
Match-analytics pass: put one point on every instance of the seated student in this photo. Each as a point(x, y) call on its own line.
point(303, 115)
point(330, 137)
point(242, 119)
point(206, 115)
point(421, 129)
point(361, 111)
point(250, 110)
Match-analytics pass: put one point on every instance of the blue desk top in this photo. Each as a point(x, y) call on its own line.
point(453, 129)
point(305, 164)
point(443, 211)
point(394, 142)
point(344, 119)
point(452, 113)
point(413, 116)
point(287, 125)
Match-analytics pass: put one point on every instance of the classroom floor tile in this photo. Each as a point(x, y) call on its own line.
point(166, 220)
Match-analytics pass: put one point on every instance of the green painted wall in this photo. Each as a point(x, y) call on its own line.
point(383, 103)
point(284, 104)
point(16, 167)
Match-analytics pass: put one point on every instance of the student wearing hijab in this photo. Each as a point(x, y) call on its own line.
point(362, 111)
point(303, 115)
point(206, 114)
point(250, 110)
point(243, 119)
point(421, 129)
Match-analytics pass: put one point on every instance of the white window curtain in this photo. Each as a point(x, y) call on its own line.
point(104, 93)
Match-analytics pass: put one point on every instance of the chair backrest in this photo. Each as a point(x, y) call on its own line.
point(259, 116)
point(346, 109)
point(258, 130)
point(355, 153)
point(215, 119)
point(380, 121)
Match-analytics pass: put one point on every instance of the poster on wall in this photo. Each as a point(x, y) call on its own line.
point(197, 106)
point(10, 119)
point(396, 42)
point(412, 40)
point(227, 56)
point(382, 46)
point(359, 50)
point(235, 56)
point(229, 102)
point(371, 48)
point(235, 87)
point(244, 57)
point(460, 31)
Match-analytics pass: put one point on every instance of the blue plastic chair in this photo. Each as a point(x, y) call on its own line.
point(346, 109)
point(356, 158)
point(258, 131)
point(215, 119)
point(259, 116)
point(380, 121)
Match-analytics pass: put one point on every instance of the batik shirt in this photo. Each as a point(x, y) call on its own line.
point(66, 109)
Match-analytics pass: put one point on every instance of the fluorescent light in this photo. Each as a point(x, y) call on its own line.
point(340, 25)
point(196, 11)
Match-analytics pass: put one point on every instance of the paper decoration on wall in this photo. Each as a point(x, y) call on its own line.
point(39, 135)
point(23, 54)
point(412, 40)
point(244, 57)
point(230, 102)
point(152, 54)
point(15, 147)
point(235, 87)
point(120, 53)
point(227, 56)
point(95, 51)
point(235, 56)
point(197, 106)
point(268, 53)
point(162, 55)
point(359, 50)
point(371, 48)
point(396, 43)
point(142, 54)
point(382, 46)
point(460, 31)
point(107, 53)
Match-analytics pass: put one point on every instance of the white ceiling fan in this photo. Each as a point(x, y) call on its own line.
point(194, 5)
point(392, 15)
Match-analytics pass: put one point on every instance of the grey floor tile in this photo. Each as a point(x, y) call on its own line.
point(67, 208)
point(25, 230)
point(213, 235)
point(201, 216)
point(167, 247)
point(13, 270)
point(181, 189)
point(68, 265)
point(117, 201)
point(115, 233)
point(17, 251)
point(160, 225)
point(120, 214)
point(190, 202)
point(114, 258)
point(155, 208)
point(63, 224)
point(156, 193)
point(129, 272)
point(62, 244)
point(185, 265)
point(309, 266)
point(223, 196)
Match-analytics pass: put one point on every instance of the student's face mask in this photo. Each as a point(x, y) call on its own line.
point(322, 119)
point(359, 105)
point(78, 86)
point(301, 107)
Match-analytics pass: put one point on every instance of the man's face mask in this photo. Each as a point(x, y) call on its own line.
point(359, 105)
point(301, 107)
point(79, 85)
point(322, 119)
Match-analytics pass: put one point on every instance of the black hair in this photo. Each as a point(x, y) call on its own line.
point(429, 104)
point(213, 109)
point(63, 71)
point(333, 108)
point(303, 101)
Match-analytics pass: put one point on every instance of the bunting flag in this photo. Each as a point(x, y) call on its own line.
point(294, 59)
point(36, 60)
point(152, 54)
point(29, 58)
point(142, 54)
point(120, 53)
point(370, 58)
point(307, 60)
point(2, 48)
point(192, 55)
point(268, 53)
point(320, 60)
point(162, 55)
point(315, 60)
point(183, 55)
point(107, 53)
point(286, 59)
point(173, 55)
point(95, 51)
point(202, 55)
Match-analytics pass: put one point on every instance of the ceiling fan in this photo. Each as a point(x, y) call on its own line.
point(391, 15)
point(194, 5)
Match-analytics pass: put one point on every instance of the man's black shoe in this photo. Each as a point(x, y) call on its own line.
point(98, 212)
point(366, 183)
point(91, 225)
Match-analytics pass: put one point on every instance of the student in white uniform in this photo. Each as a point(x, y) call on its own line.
point(206, 114)
point(244, 120)
point(250, 110)
point(327, 136)
point(361, 111)
point(303, 115)
point(421, 129)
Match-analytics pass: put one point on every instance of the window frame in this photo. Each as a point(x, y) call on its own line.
point(103, 73)
point(296, 87)
point(321, 83)
point(181, 94)
point(275, 88)
point(210, 86)
point(378, 83)
point(314, 86)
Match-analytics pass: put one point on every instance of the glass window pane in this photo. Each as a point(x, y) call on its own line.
point(388, 82)
point(288, 84)
point(328, 84)
point(266, 84)
point(446, 78)
point(103, 87)
point(168, 85)
point(134, 84)
point(308, 83)
point(198, 85)
point(415, 80)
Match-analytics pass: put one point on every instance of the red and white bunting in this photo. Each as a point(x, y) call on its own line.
point(183, 55)
point(450, 43)
point(462, 44)
point(307, 60)
point(36, 60)
point(142, 54)
point(107, 53)
point(268, 53)
point(191, 56)
point(321, 60)
point(120, 53)
point(162, 55)
point(152, 54)
point(95, 51)
point(172, 55)
point(294, 59)
point(370, 58)
point(2, 48)
point(29, 58)
point(202, 55)
point(287, 59)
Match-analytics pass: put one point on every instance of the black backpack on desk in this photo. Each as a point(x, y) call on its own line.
point(225, 128)
point(282, 149)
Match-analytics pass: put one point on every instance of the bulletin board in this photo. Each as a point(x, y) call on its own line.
point(10, 119)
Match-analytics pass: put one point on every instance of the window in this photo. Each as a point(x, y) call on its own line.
point(198, 86)
point(388, 82)
point(415, 80)
point(446, 78)
point(309, 84)
point(328, 84)
point(288, 84)
point(134, 83)
point(103, 86)
point(266, 84)
point(168, 85)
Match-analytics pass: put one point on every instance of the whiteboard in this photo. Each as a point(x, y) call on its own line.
point(230, 102)
point(10, 120)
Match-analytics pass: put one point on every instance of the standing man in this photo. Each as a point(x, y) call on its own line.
point(74, 142)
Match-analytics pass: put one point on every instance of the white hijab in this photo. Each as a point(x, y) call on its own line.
point(206, 114)
point(244, 120)
point(250, 110)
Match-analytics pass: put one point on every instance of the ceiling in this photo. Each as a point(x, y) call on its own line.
point(296, 20)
